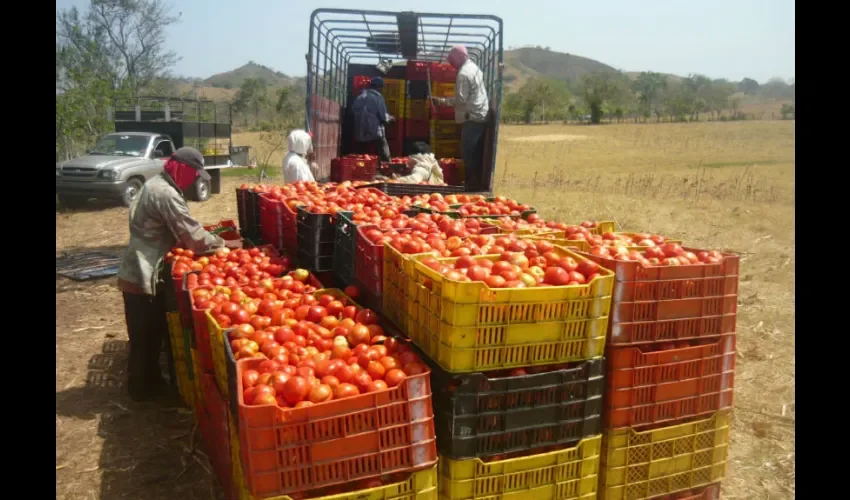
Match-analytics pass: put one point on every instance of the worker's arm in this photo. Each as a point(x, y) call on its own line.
point(188, 232)
point(383, 115)
point(419, 174)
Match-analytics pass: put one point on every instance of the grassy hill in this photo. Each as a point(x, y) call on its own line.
point(529, 62)
point(233, 79)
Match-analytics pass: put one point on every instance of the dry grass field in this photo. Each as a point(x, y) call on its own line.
point(720, 185)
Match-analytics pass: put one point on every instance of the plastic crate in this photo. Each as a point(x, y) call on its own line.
point(181, 355)
point(421, 485)
point(399, 189)
point(671, 303)
point(658, 387)
point(395, 107)
point(394, 129)
point(478, 416)
point(418, 70)
point(369, 261)
point(443, 72)
point(445, 129)
point(271, 221)
point(454, 172)
point(417, 89)
point(442, 89)
point(247, 208)
point(197, 383)
point(345, 248)
point(213, 421)
point(440, 112)
point(662, 461)
point(353, 168)
point(289, 227)
point(417, 129)
point(393, 88)
point(711, 492)
point(400, 306)
point(571, 473)
point(447, 148)
point(361, 82)
point(370, 435)
point(316, 234)
point(467, 326)
point(416, 109)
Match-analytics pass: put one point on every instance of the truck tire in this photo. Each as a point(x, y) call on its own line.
point(201, 190)
point(131, 191)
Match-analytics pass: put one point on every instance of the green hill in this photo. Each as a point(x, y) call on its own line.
point(233, 79)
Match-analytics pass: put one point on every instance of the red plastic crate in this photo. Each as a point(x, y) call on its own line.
point(648, 388)
point(418, 70)
point(271, 227)
point(417, 128)
point(290, 450)
point(361, 82)
point(369, 261)
point(664, 303)
point(202, 334)
point(442, 112)
point(396, 146)
point(395, 129)
point(213, 422)
point(354, 168)
point(443, 73)
point(452, 171)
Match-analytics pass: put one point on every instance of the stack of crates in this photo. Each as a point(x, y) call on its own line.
point(669, 382)
point(518, 378)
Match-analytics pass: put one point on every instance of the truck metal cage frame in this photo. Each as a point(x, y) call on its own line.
point(341, 38)
point(199, 123)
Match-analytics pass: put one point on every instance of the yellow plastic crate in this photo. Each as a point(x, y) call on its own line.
point(420, 485)
point(467, 326)
point(218, 355)
point(395, 106)
point(657, 462)
point(182, 362)
point(571, 473)
point(445, 129)
point(443, 89)
point(394, 89)
point(416, 109)
point(399, 305)
point(196, 382)
point(446, 148)
point(582, 245)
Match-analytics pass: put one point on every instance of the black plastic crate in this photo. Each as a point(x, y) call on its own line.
point(369, 299)
point(316, 227)
point(248, 212)
point(314, 263)
point(345, 247)
point(482, 416)
point(417, 89)
point(397, 189)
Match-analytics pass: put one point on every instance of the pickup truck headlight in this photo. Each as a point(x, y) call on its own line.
point(109, 175)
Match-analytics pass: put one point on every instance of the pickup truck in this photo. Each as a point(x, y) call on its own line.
point(116, 168)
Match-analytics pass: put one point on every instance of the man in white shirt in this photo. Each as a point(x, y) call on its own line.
point(295, 166)
point(471, 109)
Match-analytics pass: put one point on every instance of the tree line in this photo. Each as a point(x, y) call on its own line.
point(648, 97)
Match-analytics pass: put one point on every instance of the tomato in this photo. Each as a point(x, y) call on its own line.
point(359, 335)
point(376, 369)
point(316, 313)
point(264, 399)
point(414, 368)
point(295, 390)
point(556, 276)
point(330, 380)
point(495, 281)
point(366, 317)
point(345, 373)
point(249, 378)
point(320, 393)
point(394, 377)
point(352, 291)
point(362, 380)
point(377, 385)
point(335, 308)
point(346, 390)
point(242, 331)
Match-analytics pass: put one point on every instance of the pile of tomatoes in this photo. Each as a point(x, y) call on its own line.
point(521, 264)
point(317, 349)
point(667, 254)
point(227, 267)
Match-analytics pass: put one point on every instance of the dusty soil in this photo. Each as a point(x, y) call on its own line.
point(727, 186)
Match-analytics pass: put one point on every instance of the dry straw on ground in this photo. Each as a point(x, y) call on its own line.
point(717, 185)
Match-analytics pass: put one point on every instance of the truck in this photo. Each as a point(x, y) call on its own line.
point(147, 131)
point(345, 44)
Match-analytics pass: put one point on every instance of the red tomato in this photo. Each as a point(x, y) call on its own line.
point(249, 378)
point(349, 312)
point(295, 390)
point(330, 380)
point(376, 369)
point(359, 335)
point(414, 368)
point(366, 317)
point(346, 390)
point(394, 377)
point(556, 276)
point(320, 393)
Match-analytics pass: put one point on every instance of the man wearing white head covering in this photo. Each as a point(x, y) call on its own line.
point(295, 166)
point(471, 108)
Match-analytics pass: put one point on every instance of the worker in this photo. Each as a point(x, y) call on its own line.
point(296, 164)
point(472, 108)
point(370, 118)
point(422, 167)
point(159, 220)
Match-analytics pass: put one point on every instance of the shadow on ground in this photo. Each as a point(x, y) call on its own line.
point(150, 450)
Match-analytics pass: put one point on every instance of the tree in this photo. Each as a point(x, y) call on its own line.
point(114, 50)
point(537, 94)
point(252, 96)
point(648, 87)
point(718, 97)
point(599, 88)
point(748, 86)
point(787, 111)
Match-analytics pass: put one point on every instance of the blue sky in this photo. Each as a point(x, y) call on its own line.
point(719, 38)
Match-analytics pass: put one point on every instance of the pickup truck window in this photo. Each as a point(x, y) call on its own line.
point(165, 148)
point(121, 145)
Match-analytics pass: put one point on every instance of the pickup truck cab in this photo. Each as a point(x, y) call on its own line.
point(115, 168)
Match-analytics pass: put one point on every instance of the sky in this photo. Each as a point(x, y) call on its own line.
point(719, 38)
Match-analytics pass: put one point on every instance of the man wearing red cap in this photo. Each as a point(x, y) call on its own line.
point(471, 109)
point(159, 220)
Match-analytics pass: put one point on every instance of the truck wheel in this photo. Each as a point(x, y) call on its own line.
point(131, 191)
point(201, 190)
point(71, 201)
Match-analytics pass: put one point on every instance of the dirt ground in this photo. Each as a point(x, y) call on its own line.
point(714, 185)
